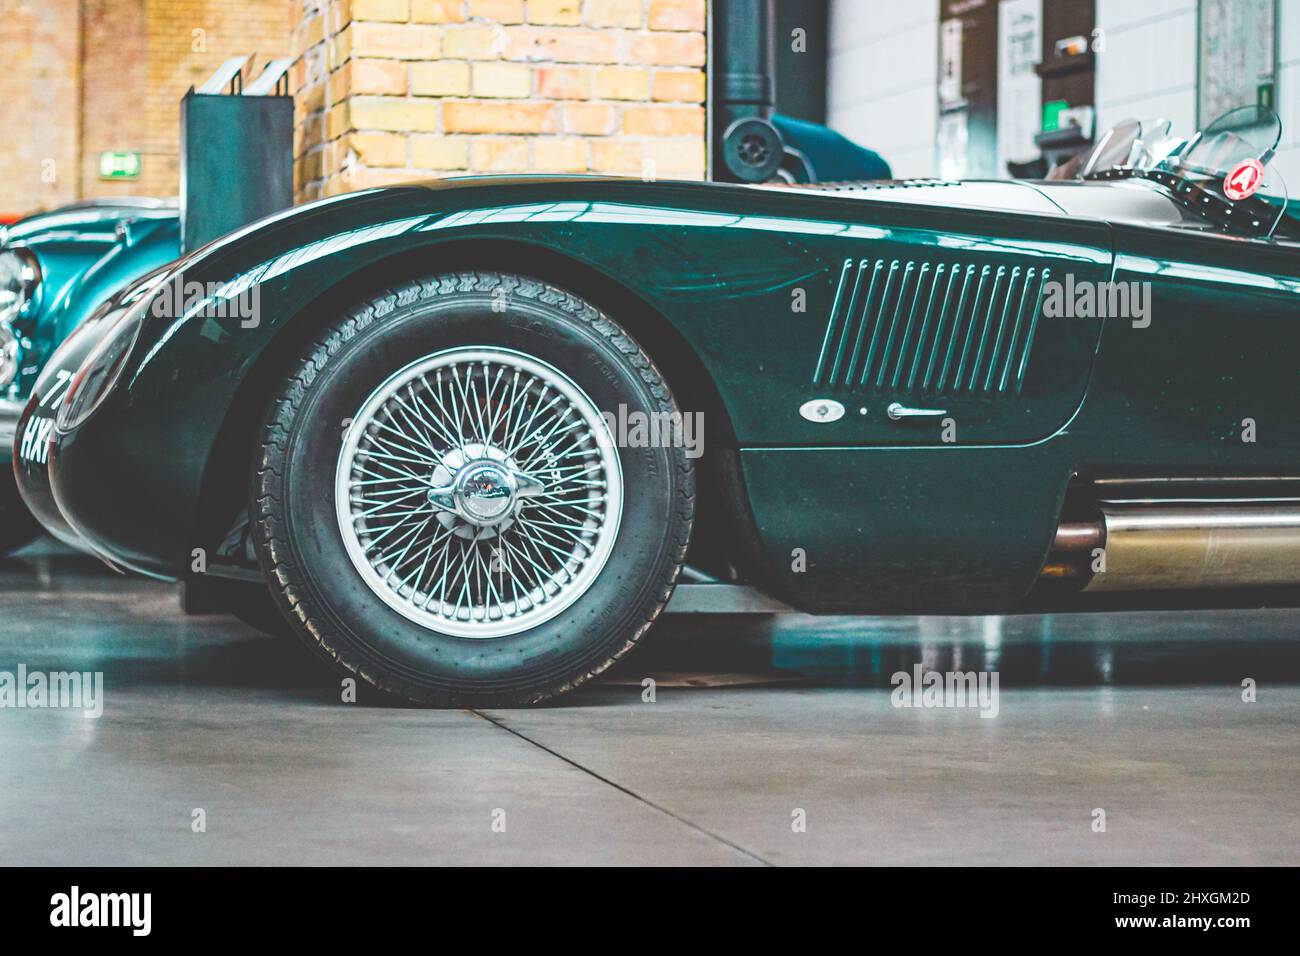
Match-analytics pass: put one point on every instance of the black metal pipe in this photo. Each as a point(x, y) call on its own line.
point(744, 145)
point(744, 81)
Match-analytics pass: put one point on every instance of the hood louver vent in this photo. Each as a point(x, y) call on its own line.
point(905, 326)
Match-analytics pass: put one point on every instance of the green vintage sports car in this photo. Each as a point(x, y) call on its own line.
point(469, 432)
point(55, 268)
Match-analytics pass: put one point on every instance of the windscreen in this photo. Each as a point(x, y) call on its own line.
point(1230, 161)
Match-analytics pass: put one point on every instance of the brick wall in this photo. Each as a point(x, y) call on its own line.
point(39, 83)
point(188, 40)
point(386, 90)
point(394, 90)
point(84, 76)
point(114, 72)
point(168, 46)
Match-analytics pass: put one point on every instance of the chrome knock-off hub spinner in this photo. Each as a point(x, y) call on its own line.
point(479, 489)
point(484, 492)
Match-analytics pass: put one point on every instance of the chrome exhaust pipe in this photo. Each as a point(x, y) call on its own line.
point(1074, 536)
point(1168, 545)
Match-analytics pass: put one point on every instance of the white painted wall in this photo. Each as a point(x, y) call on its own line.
point(883, 79)
point(1148, 67)
point(1288, 93)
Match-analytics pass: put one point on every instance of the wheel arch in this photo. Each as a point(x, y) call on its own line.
point(223, 491)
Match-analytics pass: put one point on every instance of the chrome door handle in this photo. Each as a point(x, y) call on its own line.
point(897, 412)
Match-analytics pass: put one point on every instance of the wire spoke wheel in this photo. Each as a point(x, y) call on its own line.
point(478, 492)
point(484, 542)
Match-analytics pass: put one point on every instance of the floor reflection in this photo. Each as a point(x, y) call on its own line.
point(1113, 648)
point(74, 611)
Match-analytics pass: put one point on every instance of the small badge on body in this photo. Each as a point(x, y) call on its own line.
point(822, 410)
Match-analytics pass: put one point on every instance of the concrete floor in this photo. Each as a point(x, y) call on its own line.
point(1138, 714)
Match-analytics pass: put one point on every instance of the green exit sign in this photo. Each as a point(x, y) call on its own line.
point(118, 165)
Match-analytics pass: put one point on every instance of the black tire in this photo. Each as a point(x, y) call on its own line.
point(18, 527)
point(297, 533)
